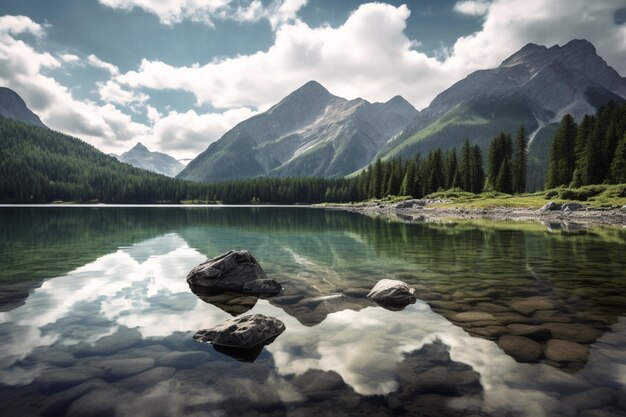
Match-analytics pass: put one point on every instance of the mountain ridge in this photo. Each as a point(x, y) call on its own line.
point(12, 106)
point(308, 132)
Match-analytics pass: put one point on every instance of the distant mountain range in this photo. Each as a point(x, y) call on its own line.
point(13, 107)
point(310, 132)
point(139, 156)
point(314, 133)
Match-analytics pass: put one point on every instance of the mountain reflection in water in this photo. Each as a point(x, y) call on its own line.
point(112, 335)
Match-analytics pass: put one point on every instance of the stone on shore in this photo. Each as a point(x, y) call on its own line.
point(243, 331)
point(227, 272)
point(572, 206)
point(391, 293)
point(551, 206)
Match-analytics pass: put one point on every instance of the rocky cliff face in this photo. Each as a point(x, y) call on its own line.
point(535, 87)
point(140, 157)
point(309, 132)
point(13, 107)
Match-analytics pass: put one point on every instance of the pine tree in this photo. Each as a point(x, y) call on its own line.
point(477, 172)
point(520, 161)
point(465, 166)
point(562, 157)
point(504, 182)
point(580, 176)
point(618, 167)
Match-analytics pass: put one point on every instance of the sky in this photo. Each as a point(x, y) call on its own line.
point(177, 74)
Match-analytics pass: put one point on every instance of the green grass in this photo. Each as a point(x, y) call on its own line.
point(602, 195)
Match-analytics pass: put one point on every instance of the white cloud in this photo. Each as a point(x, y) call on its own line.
point(205, 11)
point(189, 133)
point(96, 62)
point(21, 69)
point(371, 57)
point(472, 7)
point(112, 92)
point(69, 58)
point(14, 25)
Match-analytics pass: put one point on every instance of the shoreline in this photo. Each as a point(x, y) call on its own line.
point(597, 216)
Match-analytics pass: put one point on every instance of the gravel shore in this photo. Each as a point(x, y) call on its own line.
point(427, 212)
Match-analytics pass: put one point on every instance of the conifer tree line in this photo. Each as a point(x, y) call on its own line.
point(592, 152)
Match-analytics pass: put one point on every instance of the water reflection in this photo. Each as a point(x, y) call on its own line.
point(113, 334)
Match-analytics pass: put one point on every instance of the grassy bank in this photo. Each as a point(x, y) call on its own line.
point(603, 195)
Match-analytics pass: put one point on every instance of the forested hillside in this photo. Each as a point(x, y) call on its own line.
point(41, 165)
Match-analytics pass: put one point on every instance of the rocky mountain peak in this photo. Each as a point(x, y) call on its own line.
point(139, 147)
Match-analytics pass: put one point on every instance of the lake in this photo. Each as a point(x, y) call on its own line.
point(512, 319)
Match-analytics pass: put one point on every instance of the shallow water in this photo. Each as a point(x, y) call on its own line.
point(96, 317)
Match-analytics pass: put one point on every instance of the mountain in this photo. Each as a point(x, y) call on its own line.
point(139, 156)
point(535, 87)
point(13, 107)
point(310, 132)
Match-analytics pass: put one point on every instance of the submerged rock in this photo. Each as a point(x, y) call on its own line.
point(230, 271)
point(565, 351)
point(392, 294)
point(243, 331)
point(521, 348)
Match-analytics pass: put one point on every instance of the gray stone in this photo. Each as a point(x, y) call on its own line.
point(95, 403)
point(124, 338)
point(591, 399)
point(565, 351)
point(537, 333)
point(146, 379)
point(227, 272)
point(528, 307)
point(56, 404)
point(243, 331)
point(520, 348)
point(55, 357)
point(315, 382)
point(63, 378)
point(391, 292)
point(490, 332)
point(572, 206)
point(260, 286)
point(181, 360)
point(574, 332)
point(125, 367)
point(551, 206)
point(410, 203)
point(469, 316)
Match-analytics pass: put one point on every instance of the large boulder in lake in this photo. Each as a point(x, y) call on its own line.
point(243, 332)
point(392, 294)
point(231, 271)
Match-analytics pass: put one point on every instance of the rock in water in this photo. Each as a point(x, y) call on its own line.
point(243, 332)
point(227, 272)
point(262, 286)
point(392, 294)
